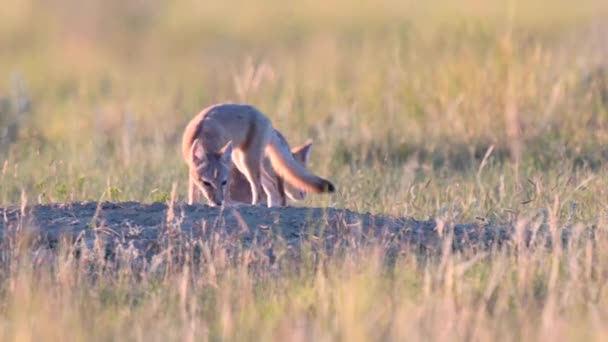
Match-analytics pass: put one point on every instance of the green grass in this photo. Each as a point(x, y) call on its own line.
point(403, 101)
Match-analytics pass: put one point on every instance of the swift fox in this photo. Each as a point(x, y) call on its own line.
point(239, 190)
point(240, 133)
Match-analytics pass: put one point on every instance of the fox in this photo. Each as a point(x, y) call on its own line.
point(238, 187)
point(240, 133)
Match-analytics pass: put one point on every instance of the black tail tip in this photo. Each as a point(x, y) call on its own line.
point(328, 187)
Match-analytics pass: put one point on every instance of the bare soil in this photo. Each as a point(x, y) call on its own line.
point(144, 225)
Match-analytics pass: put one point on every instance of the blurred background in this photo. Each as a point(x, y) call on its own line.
point(403, 99)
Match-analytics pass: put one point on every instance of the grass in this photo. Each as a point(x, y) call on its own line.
point(469, 111)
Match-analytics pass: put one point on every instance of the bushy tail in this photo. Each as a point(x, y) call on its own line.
point(293, 172)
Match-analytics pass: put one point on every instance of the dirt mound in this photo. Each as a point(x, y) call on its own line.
point(144, 225)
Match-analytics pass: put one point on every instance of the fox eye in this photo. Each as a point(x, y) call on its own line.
point(207, 184)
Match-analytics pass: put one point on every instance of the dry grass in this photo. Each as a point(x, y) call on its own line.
point(463, 110)
point(219, 288)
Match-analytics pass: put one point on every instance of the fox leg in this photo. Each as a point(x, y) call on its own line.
point(281, 190)
point(273, 199)
point(253, 175)
point(250, 153)
point(269, 189)
point(239, 158)
point(253, 157)
point(273, 189)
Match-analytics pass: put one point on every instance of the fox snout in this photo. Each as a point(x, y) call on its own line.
point(215, 197)
point(214, 200)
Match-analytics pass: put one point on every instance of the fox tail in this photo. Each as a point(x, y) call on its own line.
point(293, 172)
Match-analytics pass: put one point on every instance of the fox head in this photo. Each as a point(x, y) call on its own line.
point(210, 171)
point(301, 154)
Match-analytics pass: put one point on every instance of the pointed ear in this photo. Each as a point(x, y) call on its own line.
point(227, 152)
point(302, 153)
point(196, 152)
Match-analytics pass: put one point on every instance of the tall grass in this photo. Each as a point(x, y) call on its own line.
point(477, 111)
point(375, 85)
point(219, 289)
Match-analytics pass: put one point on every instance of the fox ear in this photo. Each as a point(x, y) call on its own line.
point(196, 152)
point(302, 153)
point(227, 152)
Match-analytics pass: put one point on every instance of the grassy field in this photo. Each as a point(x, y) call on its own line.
point(461, 110)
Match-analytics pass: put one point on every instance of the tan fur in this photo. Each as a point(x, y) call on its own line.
point(245, 135)
point(238, 187)
point(296, 174)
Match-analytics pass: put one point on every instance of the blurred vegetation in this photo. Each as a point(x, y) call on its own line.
point(462, 110)
point(397, 95)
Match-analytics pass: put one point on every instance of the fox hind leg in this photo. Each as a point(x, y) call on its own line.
point(273, 187)
point(270, 189)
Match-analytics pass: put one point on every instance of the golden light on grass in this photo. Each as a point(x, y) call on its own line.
point(489, 112)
